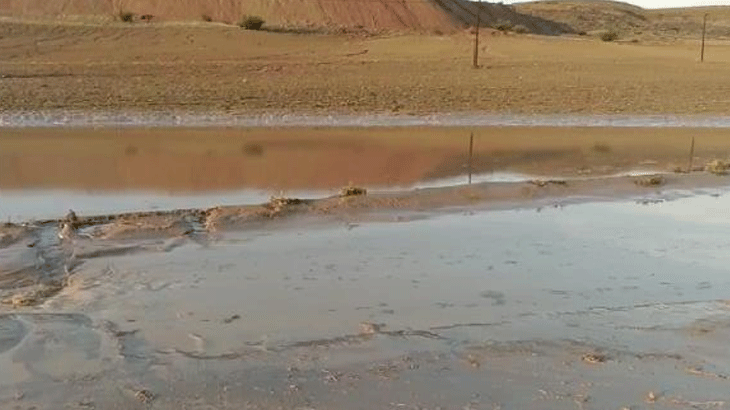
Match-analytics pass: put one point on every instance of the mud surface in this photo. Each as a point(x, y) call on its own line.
point(595, 305)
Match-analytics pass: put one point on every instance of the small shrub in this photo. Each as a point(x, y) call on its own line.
point(251, 22)
point(126, 16)
point(504, 26)
point(520, 29)
point(609, 36)
point(352, 191)
point(207, 18)
point(655, 180)
point(582, 33)
point(717, 167)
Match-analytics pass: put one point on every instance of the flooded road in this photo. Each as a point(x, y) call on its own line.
point(595, 306)
point(44, 172)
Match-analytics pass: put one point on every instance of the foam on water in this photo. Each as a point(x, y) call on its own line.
point(172, 119)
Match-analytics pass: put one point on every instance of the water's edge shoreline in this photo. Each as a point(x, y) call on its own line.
point(164, 119)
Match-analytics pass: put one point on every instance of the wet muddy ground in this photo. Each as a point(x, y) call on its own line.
point(593, 305)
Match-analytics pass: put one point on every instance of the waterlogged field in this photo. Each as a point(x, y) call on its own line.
point(597, 305)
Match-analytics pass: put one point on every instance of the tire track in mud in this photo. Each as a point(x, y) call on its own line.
point(45, 278)
point(60, 247)
point(24, 335)
point(337, 341)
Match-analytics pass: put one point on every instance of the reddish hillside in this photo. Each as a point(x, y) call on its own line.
point(443, 15)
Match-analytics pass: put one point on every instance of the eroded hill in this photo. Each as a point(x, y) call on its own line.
point(629, 20)
point(372, 15)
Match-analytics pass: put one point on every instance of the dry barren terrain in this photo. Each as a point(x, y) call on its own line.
point(218, 68)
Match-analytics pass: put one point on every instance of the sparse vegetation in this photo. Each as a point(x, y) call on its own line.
point(126, 16)
point(610, 35)
point(521, 29)
point(251, 22)
point(650, 181)
point(718, 167)
point(352, 191)
point(543, 183)
point(504, 25)
point(278, 203)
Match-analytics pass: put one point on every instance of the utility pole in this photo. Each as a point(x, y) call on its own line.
point(704, 28)
point(476, 36)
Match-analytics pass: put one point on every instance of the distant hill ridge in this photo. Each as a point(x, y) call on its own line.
point(630, 20)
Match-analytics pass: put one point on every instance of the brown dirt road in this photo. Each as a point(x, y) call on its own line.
point(222, 69)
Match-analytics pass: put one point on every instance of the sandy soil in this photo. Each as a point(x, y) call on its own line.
point(214, 68)
point(200, 160)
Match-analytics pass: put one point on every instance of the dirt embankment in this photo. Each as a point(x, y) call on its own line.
point(424, 15)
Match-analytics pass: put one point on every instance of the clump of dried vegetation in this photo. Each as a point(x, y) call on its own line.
point(718, 167)
point(650, 181)
point(251, 22)
point(126, 16)
point(610, 35)
point(352, 191)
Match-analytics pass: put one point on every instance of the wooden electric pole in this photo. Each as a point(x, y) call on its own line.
point(476, 35)
point(704, 28)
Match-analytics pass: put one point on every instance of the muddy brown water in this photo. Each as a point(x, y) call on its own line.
point(596, 305)
point(46, 171)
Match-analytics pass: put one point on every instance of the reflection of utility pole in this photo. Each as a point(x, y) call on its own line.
point(476, 36)
point(704, 27)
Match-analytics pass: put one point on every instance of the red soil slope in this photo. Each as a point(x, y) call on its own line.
point(443, 15)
